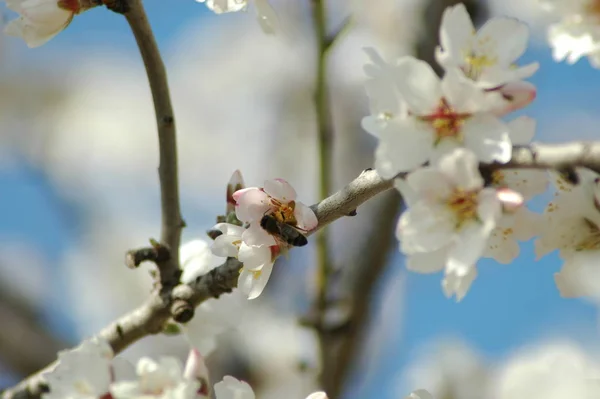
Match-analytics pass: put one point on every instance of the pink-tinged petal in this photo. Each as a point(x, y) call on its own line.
point(253, 257)
point(226, 246)
point(517, 95)
point(252, 205)
point(252, 283)
point(456, 32)
point(195, 367)
point(255, 235)
point(306, 218)
point(237, 194)
point(521, 130)
point(487, 137)
point(458, 282)
point(427, 262)
point(425, 227)
point(419, 85)
point(429, 183)
point(462, 168)
point(281, 190)
point(236, 183)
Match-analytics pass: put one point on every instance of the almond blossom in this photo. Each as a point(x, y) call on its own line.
point(277, 198)
point(577, 34)
point(572, 225)
point(420, 394)
point(449, 219)
point(41, 20)
point(486, 56)
point(264, 12)
point(257, 259)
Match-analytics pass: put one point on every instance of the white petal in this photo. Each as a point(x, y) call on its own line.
point(429, 183)
point(502, 246)
point(456, 31)
point(580, 275)
point(489, 208)
point(251, 283)
point(506, 37)
point(488, 138)
point(306, 218)
point(253, 257)
point(458, 283)
point(419, 86)
point(404, 145)
point(425, 227)
point(469, 246)
point(231, 388)
point(226, 246)
point(251, 205)
point(427, 262)
point(462, 93)
point(230, 229)
point(462, 168)
point(281, 190)
point(421, 393)
point(255, 235)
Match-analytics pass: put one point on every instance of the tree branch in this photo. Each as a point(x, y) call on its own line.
point(150, 317)
point(172, 223)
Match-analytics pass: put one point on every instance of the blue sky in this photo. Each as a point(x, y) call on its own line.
point(507, 306)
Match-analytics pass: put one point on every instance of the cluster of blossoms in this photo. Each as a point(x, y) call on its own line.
point(577, 33)
point(246, 239)
point(435, 132)
point(90, 371)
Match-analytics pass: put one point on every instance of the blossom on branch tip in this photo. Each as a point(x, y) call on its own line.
point(41, 20)
point(266, 15)
point(449, 219)
point(486, 56)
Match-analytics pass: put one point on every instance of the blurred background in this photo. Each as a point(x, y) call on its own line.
point(78, 159)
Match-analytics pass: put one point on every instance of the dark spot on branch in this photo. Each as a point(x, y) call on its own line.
point(352, 213)
point(182, 311)
point(167, 120)
point(214, 233)
point(157, 253)
point(118, 6)
point(119, 331)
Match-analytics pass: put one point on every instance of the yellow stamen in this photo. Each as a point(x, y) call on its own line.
point(464, 205)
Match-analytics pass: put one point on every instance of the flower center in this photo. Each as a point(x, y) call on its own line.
point(256, 274)
point(592, 241)
point(498, 178)
point(446, 121)
point(476, 64)
point(284, 212)
point(464, 205)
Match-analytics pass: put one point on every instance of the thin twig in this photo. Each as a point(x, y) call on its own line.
point(172, 223)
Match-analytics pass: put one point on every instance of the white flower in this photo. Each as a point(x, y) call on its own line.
point(577, 34)
point(443, 114)
point(41, 20)
point(231, 388)
point(84, 372)
point(277, 198)
point(163, 379)
point(486, 56)
point(257, 259)
point(572, 225)
point(265, 13)
point(211, 317)
point(449, 219)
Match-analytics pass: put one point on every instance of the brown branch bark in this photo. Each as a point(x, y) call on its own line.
point(150, 317)
point(172, 223)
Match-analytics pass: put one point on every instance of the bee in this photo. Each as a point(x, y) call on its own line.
point(288, 233)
